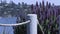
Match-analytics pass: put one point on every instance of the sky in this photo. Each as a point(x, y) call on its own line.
point(56, 2)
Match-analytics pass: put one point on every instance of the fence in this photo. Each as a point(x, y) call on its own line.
point(31, 24)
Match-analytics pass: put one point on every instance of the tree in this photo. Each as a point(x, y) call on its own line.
point(12, 4)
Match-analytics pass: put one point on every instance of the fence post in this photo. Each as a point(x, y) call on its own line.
point(32, 26)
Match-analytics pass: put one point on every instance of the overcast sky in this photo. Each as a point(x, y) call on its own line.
point(56, 2)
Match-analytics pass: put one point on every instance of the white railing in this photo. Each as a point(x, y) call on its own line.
point(31, 24)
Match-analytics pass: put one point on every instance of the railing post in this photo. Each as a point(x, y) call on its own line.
point(32, 26)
